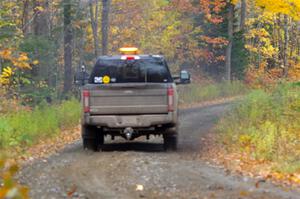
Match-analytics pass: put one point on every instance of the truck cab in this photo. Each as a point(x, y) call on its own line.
point(130, 96)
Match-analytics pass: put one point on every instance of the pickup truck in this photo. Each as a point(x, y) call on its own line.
point(131, 96)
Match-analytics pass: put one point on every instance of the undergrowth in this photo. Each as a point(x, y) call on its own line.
point(266, 125)
point(196, 93)
point(26, 127)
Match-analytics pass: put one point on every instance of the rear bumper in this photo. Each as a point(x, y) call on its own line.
point(135, 121)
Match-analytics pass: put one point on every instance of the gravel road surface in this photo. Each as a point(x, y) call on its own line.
point(141, 169)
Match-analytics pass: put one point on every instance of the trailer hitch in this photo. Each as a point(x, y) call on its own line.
point(128, 133)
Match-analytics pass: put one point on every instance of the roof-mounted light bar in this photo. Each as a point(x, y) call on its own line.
point(129, 50)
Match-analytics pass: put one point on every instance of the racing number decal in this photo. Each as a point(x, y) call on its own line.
point(106, 79)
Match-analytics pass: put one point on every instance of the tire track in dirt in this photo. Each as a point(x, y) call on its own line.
point(115, 172)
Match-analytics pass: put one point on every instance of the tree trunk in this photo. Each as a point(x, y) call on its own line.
point(243, 14)
point(280, 41)
point(230, 38)
point(68, 37)
point(298, 42)
point(105, 25)
point(94, 23)
point(41, 25)
point(25, 17)
point(285, 48)
point(41, 29)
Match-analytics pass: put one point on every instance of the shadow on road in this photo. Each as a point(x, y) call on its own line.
point(134, 146)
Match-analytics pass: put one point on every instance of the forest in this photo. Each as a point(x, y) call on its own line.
point(247, 50)
point(43, 42)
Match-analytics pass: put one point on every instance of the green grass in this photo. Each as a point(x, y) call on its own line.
point(24, 128)
point(266, 125)
point(196, 93)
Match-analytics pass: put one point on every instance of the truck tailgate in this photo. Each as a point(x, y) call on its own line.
point(118, 99)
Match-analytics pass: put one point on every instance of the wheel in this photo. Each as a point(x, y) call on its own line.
point(171, 139)
point(92, 138)
point(170, 143)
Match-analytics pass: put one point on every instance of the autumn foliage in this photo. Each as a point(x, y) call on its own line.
point(264, 127)
point(9, 188)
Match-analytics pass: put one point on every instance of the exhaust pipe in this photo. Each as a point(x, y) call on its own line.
point(128, 133)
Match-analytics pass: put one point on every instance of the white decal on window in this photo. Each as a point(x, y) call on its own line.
point(98, 80)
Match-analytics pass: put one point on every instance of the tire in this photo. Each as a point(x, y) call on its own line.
point(92, 138)
point(171, 139)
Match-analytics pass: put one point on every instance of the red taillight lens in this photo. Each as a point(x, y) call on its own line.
point(86, 101)
point(130, 58)
point(170, 99)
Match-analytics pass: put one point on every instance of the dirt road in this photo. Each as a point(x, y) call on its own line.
point(116, 172)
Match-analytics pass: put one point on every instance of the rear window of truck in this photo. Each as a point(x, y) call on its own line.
point(130, 71)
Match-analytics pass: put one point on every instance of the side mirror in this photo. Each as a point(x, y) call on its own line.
point(81, 78)
point(183, 78)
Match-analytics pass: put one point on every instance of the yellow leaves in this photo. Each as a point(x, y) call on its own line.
point(257, 33)
point(4, 81)
point(235, 2)
point(20, 60)
point(263, 45)
point(39, 9)
point(287, 7)
point(7, 72)
point(15, 61)
point(9, 188)
point(6, 75)
point(35, 62)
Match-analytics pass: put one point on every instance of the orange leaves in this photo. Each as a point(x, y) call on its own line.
point(243, 163)
point(20, 60)
point(259, 77)
point(5, 54)
point(294, 71)
point(23, 57)
point(9, 188)
point(14, 61)
point(211, 10)
point(215, 41)
point(21, 64)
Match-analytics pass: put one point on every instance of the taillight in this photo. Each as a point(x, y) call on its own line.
point(171, 99)
point(86, 101)
point(130, 57)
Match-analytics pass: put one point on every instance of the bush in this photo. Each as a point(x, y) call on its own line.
point(196, 93)
point(26, 127)
point(266, 125)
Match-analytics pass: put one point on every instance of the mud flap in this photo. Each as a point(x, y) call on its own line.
point(92, 138)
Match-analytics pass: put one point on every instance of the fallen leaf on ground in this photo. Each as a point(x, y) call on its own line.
point(139, 187)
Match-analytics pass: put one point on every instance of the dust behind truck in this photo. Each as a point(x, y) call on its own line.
point(130, 96)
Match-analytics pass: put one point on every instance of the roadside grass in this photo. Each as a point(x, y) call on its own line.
point(266, 126)
point(197, 93)
point(26, 127)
